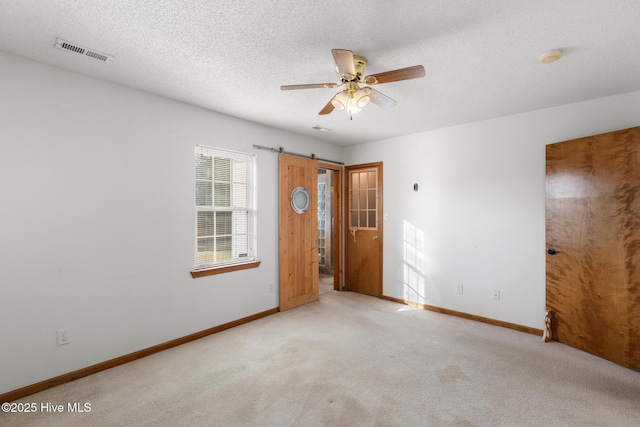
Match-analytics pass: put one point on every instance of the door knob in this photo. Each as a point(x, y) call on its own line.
point(375, 237)
point(552, 251)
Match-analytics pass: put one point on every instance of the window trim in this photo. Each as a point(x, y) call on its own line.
point(210, 271)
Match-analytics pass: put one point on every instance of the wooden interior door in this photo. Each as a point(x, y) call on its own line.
point(593, 244)
point(298, 242)
point(363, 234)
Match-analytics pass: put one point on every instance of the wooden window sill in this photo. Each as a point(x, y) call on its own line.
point(224, 269)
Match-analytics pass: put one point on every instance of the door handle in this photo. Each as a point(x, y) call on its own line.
point(552, 251)
point(375, 237)
point(353, 233)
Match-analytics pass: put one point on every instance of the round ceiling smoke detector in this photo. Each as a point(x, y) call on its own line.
point(549, 57)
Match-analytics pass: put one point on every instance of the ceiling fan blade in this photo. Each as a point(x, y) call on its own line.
point(380, 99)
point(327, 108)
point(408, 73)
point(344, 61)
point(309, 86)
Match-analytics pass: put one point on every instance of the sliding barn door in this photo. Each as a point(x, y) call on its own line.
point(593, 244)
point(298, 229)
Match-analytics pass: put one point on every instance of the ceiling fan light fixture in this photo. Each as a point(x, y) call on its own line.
point(352, 102)
point(340, 101)
point(353, 109)
point(361, 98)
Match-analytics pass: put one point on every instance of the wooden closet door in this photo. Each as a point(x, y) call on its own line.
point(593, 244)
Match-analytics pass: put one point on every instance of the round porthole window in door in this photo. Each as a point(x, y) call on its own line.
point(300, 200)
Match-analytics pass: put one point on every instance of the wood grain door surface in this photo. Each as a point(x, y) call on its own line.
point(363, 236)
point(298, 242)
point(593, 242)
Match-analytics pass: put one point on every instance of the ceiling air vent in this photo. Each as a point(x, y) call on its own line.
point(72, 47)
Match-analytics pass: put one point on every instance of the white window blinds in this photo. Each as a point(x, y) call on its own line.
point(225, 207)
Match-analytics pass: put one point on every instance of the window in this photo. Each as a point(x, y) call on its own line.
point(225, 207)
point(363, 200)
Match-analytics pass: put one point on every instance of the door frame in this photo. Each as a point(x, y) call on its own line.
point(337, 226)
point(380, 219)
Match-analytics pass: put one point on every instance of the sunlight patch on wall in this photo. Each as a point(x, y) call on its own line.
point(414, 271)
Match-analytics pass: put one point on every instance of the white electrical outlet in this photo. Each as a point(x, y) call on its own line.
point(496, 295)
point(62, 336)
point(459, 289)
point(270, 287)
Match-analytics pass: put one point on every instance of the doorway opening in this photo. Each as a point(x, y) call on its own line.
point(328, 219)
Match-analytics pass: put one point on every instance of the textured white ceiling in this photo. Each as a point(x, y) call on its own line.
point(232, 56)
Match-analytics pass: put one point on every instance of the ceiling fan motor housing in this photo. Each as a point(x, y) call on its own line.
point(360, 64)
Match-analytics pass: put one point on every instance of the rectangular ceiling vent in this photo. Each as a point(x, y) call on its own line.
point(72, 47)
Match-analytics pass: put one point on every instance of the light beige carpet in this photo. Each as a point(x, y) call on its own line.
point(353, 360)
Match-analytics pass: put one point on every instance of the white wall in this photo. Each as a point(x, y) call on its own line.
point(97, 220)
point(478, 218)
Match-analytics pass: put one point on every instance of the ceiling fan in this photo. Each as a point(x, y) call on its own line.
point(353, 98)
